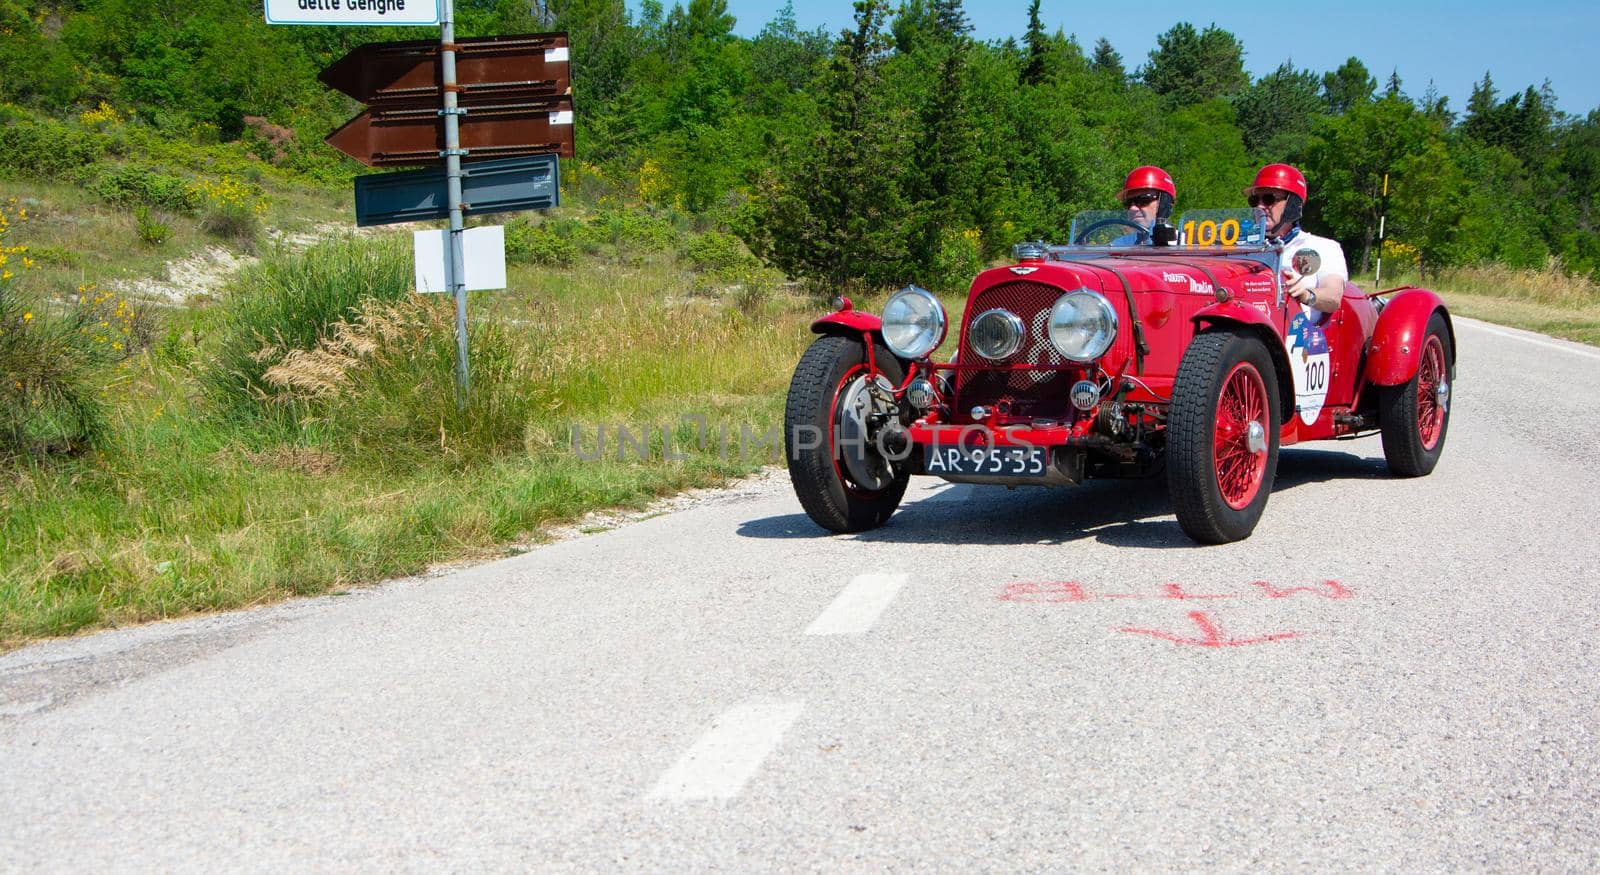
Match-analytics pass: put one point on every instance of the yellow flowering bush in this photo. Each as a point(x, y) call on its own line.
point(1397, 251)
point(653, 183)
point(960, 256)
point(103, 116)
point(231, 209)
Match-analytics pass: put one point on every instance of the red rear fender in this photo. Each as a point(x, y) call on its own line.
point(1397, 341)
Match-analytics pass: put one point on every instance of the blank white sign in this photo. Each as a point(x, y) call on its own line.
point(483, 250)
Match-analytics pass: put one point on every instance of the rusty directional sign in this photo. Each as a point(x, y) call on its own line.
point(495, 67)
point(513, 93)
point(409, 136)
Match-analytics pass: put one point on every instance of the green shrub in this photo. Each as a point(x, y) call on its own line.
point(152, 230)
point(134, 184)
point(51, 362)
point(629, 228)
point(236, 223)
point(289, 302)
point(56, 256)
point(544, 243)
point(716, 251)
point(48, 148)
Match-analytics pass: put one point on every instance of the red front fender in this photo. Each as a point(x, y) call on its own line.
point(1397, 341)
point(1231, 311)
point(852, 321)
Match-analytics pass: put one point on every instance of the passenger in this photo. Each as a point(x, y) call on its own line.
point(1148, 195)
point(1279, 194)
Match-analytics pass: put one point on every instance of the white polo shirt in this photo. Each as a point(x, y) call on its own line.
point(1332, 253)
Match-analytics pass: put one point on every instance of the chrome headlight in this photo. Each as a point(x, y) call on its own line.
point(913, 323)
point(995, 334)
point(1082, 325)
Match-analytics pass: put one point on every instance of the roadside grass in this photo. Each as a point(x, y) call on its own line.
point(1547, 300)
point(76, 238)
point(181, 509)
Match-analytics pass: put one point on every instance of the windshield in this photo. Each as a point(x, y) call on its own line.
point(1106, 228)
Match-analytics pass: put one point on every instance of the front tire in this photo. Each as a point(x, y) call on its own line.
point(1415, 415)
point(842, 494)
point(1222, 436)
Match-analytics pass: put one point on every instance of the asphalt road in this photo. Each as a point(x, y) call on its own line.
point(994, 680)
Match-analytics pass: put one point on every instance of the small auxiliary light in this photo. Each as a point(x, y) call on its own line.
point(1085, 395)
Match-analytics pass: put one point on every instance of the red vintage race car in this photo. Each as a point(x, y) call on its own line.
point(1105, 359)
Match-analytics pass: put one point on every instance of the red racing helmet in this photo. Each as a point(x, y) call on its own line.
point(1151, 177)
point(1280, 176)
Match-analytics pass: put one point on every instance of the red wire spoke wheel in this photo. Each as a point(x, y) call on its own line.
point(1222, 435)
point(1240, 452)
point(1415, 415)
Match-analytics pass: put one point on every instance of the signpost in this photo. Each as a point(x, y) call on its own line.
point(501, 97)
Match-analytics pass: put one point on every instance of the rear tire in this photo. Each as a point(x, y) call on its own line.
point(831, 489)
point(1415, 415)
point(1222, 436)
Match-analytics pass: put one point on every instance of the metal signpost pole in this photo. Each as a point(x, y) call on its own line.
point(456, 274)
point(1383, 208)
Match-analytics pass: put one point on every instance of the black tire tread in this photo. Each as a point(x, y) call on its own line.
point(1397, 416)
point(812, 472)
point(1191, 472)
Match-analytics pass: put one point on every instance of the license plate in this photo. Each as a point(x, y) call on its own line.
point(988, 462)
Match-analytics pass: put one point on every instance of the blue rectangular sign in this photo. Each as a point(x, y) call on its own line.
point(504, 185)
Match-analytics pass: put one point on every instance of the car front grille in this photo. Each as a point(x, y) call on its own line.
point(1028, 393)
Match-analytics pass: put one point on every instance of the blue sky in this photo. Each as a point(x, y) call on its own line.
point(1452, 43)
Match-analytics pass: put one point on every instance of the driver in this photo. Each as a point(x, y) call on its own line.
point(1279, 197)
point(1148, 195)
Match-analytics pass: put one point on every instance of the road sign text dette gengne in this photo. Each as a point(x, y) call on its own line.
point(515, 91)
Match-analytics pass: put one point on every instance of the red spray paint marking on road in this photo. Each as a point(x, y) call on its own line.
point(1169, 591)
point(1048, 592)
point(1330, 589)
point(1058, 591)
point(1212, 636)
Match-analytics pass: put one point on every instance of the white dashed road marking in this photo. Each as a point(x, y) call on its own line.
point(730, 752)
point(1536, 341)
point(858, 607)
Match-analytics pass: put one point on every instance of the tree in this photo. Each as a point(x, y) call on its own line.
point(1345, 163)
point(1188, 67)
point(783, 57)
point(604, 45)
point(1436, 106)
point(830, 211)
point(1348, 86)
point(1392, 87)
point(1034, 39)
point(1107, 61)
point(1276, 114)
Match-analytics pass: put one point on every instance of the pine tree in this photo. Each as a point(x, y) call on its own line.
point(1188, 66)
point(1033, 69)
point(1348, 86)
point(830, 211)
point(1108, 61)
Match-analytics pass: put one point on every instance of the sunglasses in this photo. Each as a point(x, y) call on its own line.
point(1266, 200)
point(1142, 200)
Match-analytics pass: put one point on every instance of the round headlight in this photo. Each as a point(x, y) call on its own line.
point(996, 334)
point(1082, 325)
point(913, 322)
